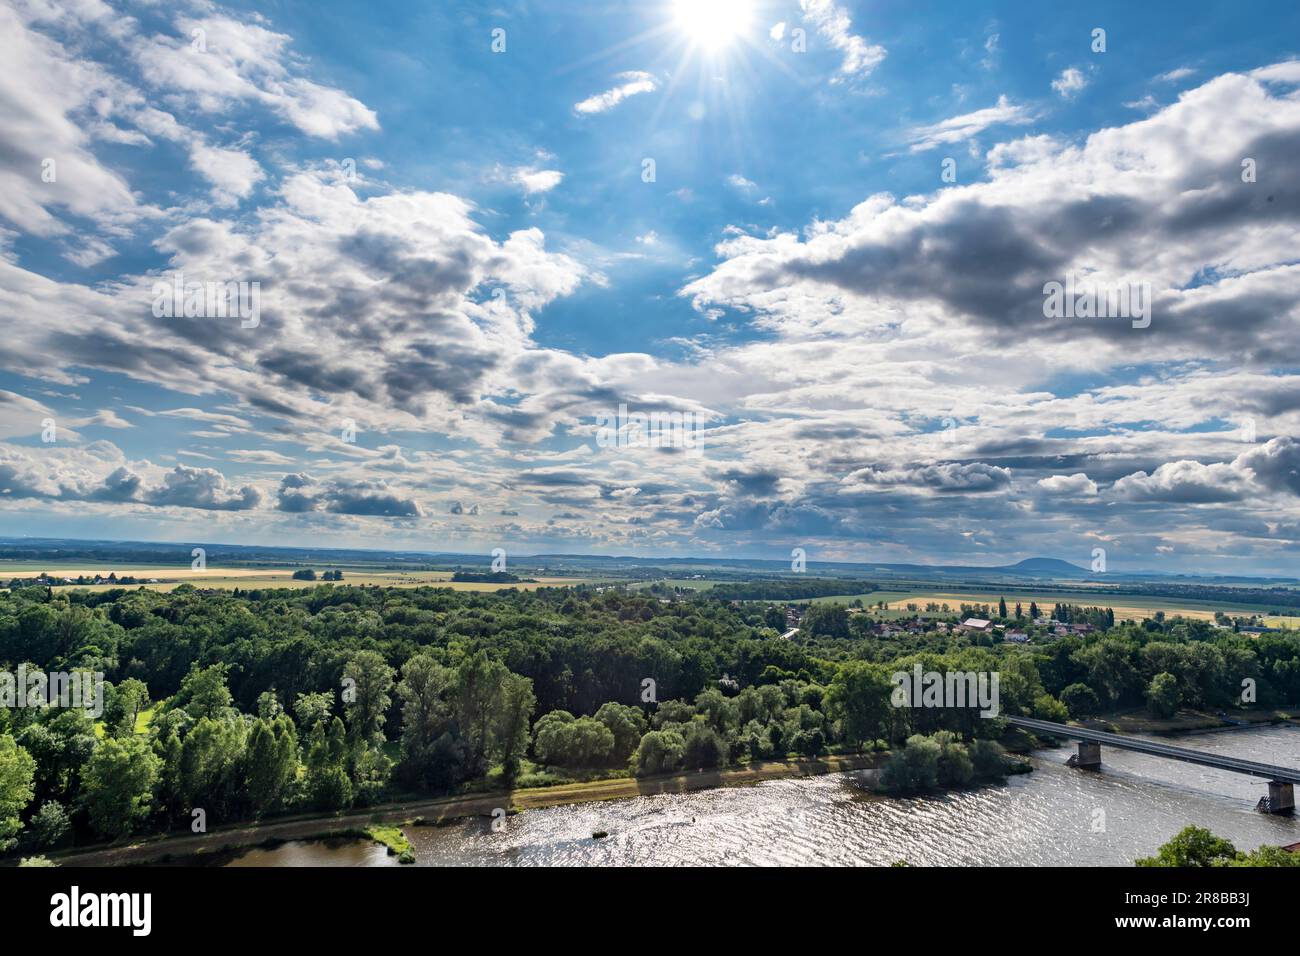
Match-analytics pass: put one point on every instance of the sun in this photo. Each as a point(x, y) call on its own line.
point(712, 24)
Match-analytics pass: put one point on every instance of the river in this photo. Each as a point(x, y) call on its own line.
point(1055, 816)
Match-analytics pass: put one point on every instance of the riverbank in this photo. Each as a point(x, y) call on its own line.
point(446, 809)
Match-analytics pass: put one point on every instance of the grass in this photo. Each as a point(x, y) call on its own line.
point(396, 841)
point(142, 722)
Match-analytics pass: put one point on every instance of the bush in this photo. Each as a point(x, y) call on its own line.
point(1080, 700)
point(660, 751)
point(703, 747)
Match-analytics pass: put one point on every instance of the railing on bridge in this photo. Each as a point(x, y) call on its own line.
point(1281, 793)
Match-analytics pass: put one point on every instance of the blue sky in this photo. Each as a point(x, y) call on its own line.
point(462, 264)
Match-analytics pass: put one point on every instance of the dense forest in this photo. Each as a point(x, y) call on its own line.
point(248, 703)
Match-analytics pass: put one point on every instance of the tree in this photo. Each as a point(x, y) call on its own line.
point(1002, 607)
point(488, 707)
point(117, 784)
point(371, 681)
point(627, 724)
point(328, 785)
point(212, 761)
point(858, 696)
point(1192, 846)
point(913, 768)
point(1163, 696)
point(660, 751)
point(60, 741)
point(126, 702)
point(203, 692)
point(17, 771)
point(48, 826)
point(704, 747)
point(272, 763)
point(955, 768)
point(562, 740)
point(987, 759)
point(426, 720)
point(310, 709)
point(1080, 700)
point(1047, 707)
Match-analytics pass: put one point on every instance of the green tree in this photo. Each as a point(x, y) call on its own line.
point(117, 785)
point(212, 764)
point(913, 768)
point(426, 719)
point(1080, 700)
point(1163, 696)
point(704, 747)
point(858, 697)
point(1192, 846)
point(327, 782)
point(660, 751)
point(627, 724)
point(368, 681)
point(49, 826)
point(126, 702)
point(203, 692)
point(310, 709)
point(17, 771)
point(272, 763)
point(988, 759)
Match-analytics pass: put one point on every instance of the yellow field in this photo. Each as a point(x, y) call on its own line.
point(1045, 602)
point(274, 578)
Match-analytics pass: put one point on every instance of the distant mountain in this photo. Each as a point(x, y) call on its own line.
point(1053, 566)
point(164, 554)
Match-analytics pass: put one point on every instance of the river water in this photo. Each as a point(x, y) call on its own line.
point(1055, 816)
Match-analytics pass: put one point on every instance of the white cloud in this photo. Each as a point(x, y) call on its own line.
point(832, 21)
point(633, 82)
point(1070, 82)
point(533, 180)
point(958, 129)
point(215, 61)
point(1072, 485)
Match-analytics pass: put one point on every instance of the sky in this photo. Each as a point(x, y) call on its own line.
point(834, 238)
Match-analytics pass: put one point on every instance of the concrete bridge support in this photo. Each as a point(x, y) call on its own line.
point(1280, 799)
point(1088, 757)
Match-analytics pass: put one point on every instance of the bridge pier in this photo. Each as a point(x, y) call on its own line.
point(1280, 799)
point(1088, 757)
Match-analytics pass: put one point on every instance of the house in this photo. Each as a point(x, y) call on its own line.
point(977, 624)
point(1016, 637)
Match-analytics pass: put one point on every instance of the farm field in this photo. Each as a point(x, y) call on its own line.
point(1137, 607)
point(216, 577)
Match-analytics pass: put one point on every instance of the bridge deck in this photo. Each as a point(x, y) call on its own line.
point(1157, 749)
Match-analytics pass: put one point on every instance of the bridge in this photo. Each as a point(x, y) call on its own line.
point(1281, 780)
